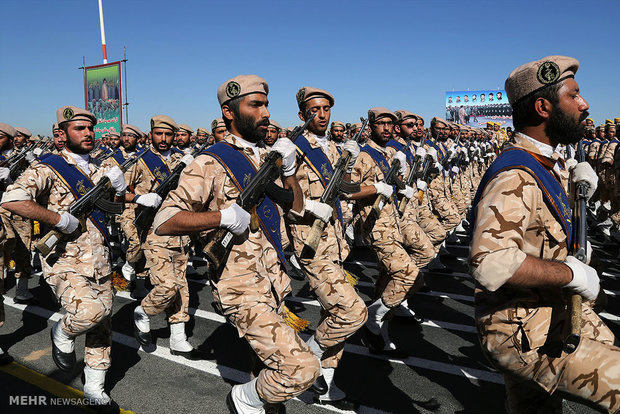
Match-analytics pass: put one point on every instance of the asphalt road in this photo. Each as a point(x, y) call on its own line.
point(446, 372)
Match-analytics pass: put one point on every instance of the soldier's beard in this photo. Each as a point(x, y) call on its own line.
point(248, 128)
point(564, 129)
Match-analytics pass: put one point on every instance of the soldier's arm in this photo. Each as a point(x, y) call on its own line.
point(361, 173)
point(502, 218)
point(182, 211)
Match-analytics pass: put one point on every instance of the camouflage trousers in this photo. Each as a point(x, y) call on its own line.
point(431, 226)
point(253, 300)
point(397, 271)
point(134, 253)
point(416, 242)
point(19, 246)
point(89, 308)
point(343, 311)
point(591, 372)
point(170, 291)
point(2, 316)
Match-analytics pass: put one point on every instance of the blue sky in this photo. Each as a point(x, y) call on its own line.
point(398, 54)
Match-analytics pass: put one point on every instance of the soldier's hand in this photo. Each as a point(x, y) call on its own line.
point(585, 279)
point(583, 173)
point(319, 210)
point(37, 152)
point(152, 200)
point(570, 163)
point(288, 152)
point(402, 158)
point(421, 184)
point(117, 180)
point(384, 189)
point(5, 174)
point(354, 150)
point(187, 159)
point(67, 223)
point(433, 153)
point(455, 170)
point(235, 219)
point(407, 192)
point(420, 152)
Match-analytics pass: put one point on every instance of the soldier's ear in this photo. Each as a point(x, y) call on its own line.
point(301, 116)
point(543, 108)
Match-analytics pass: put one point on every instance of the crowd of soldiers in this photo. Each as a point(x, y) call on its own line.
point(248, 190)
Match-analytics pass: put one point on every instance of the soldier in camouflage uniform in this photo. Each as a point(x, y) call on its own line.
point(520, 254)
point(344, 312)
point(251, 286)
point(78, 269)
point(166, 256)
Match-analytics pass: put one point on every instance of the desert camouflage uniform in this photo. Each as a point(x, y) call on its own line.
point(166, 257)
point(19, 244)
point(2, 241)
point(522, 329)
point(78, 270)
point(344, 311)
point(415, 240)
point(608, 174)
point(125, 220)
point(398, 271)
point(252, 286)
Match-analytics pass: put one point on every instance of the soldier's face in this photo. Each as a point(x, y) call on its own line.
point(381, 130)
point(5, 141)
point(322, 109)
point(129, 141)
point(441, 131)
point(162, 138)
point(420, 129)
point(610, 133)
point(219, 133)
point(252, 121)
point(338, 134)
point(59, 140)
point(115, 142)
point(589, 122)
point(201, 138)
point(19, 140)
point(408, 128)
point(566, 123)
point(182, 139)
point(80, 137)
point(272, 135)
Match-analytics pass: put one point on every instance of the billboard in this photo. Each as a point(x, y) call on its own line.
point(476, 108)
point(102, 96)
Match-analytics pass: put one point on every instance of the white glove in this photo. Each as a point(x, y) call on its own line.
point(319, 210)
point(588, 252)
point(408, 192)
point(400, 156)
point(446, 173)
point(117, 179)
point(187, 159)
point(30, 156)
point(235, 219)
point(585, 279)
point(420, 152)
point(354, 150)
point(148, 200)
point(570, 163)
point(384, 189)
point(438, 166)
point(583, 173)
point(288, 152)
point(433, 153)
point(67, 224)
point(476, 159)
point(421, 184)
point(5, 174)
point(455, 169)
point(37, 152)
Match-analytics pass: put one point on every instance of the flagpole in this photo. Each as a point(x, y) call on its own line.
point(103, 47)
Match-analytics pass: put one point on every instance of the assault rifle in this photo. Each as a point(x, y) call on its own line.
point(146, 215)
point(413, 175)
point(579, 249)
point(330, 194)
point(80, 209)
point(219, 245)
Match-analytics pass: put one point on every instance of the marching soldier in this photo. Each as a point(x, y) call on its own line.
point(344, 311)
point(251, 286)
point(218, 129)
point(79, 269)
point(272, 133)
point(520, 256)
point(398, 271)
point(166, 256)
point(182, 138)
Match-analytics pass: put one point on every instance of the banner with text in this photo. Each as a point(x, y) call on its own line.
point(102, 96)
point(476, 108)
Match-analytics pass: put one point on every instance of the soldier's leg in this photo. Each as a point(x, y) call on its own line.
point(431, 226)
point(417, 243)
point(167, 275)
